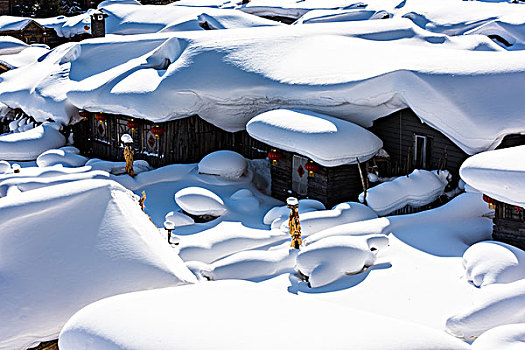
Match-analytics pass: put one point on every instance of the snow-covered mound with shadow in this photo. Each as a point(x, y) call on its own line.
point(229, 76)
point(496, 305)
point(258, 317)
point(508, 337)
point(66, 246)
point(493, 262)
point(28, 145)
point(499, 174)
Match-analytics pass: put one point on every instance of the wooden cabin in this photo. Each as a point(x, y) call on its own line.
point(509, 223)
point(411, 144)
point(329, 185)
point(185, 140)
point(31, 32)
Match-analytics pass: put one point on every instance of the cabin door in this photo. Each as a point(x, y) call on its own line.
point(299, 175)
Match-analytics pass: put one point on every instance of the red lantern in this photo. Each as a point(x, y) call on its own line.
point(86, 28)
point(133, 125)
point(311, 167)
point(84, 113)
point(491, 201)
point(100, 117)
point(157, 131)
point(274, 156)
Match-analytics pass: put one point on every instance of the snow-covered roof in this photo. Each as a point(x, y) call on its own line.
point(64, 26)
point(326, 140)
point(499, 174)
point(25, 55)
point(467, 87)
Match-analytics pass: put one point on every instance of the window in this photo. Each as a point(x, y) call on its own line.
point(420, 151)
point(101, 130)
point(299, 175)
point(122, 128)
point(150, 143)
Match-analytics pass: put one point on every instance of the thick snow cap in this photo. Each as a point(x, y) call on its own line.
point(63, 247)
point(499, 174)
point(326, 140)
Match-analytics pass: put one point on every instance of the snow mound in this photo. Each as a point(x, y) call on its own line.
point(93, 242)
point(497, 305)
point(70, 149)
point(179, 219)
point(358, 14)
point(493, 262)
point(326, 140)
point(251, 264)
point(419, 188)
point(62, 157)
point(118, 168)
point(163, 324)
point(244, 200)
point(5, 167)
point(343, 213)
point(330, 258)
point(228, 164)
point(508, 337)
point(28, 145)
point(200, 201)
point(280, 213)
point(499, 174)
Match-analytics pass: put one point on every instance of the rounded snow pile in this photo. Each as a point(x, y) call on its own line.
point(279, 213)
point(493, 262)
point(5, 167)
point(417, 189)
point(499, 174)
point(200, 201)
point(93, 242)
point(169, 321)
point(344, 213)
point(227, 164)
point(28, 145)
point(508, 337)
point(326, 140)
point(330, 258)
point(179, 219)
point(244, 200)
point(62, 157)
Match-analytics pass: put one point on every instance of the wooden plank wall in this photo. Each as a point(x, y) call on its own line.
point(282, 176)
point(397, 130)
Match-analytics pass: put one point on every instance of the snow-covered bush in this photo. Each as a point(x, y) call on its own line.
point(330, 258)
point(493, 262)
point(62, 157)
point(417, 189)
point(497, 305)
point(91, 240)
point(223, 163)
point(200, 201)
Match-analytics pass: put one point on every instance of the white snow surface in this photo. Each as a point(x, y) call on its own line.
point(179, 219)
point(493, 262)
point(344, 213)
point(326, 140)
point(499, 174)
point(508, 337)
point(260, 316)
point(200, 201)
point(93, 242)
point(416, 189)
point(496, 305)
point(64, 26)
point(333, 257)
point(229, 164)
point(356, 14)
point(60, 156)
point(118, 168)
point(282, 212)
point(227, 77)
point(28, 145)
point(130, 17)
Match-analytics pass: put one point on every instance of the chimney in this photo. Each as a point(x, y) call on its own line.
point(98, 24)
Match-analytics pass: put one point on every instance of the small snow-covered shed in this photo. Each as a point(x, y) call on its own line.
point(314, 155)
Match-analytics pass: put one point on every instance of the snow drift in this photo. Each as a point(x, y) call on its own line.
point(28, 145)
point(168, 321)
point(66, 246)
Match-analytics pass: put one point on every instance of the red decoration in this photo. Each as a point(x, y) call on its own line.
point(133, 125)
point(518, 209)
point(157, 131)
point(274, 156)
point(491, 201)
point(300, 171)
point(312, 168)
point(100, 117)
point(86, 27)
point(84, 114)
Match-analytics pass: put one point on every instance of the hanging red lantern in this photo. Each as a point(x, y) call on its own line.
point(84, 114)
point(491, 201)
point(157, 131)
point(86, 28)
point(133, 125)
point(100, 117)
point(274, 156)
point(312, 168)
